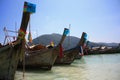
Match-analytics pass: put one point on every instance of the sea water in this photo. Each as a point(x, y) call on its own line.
point(90, 67)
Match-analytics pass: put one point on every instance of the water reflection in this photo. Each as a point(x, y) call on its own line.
point(92, 67)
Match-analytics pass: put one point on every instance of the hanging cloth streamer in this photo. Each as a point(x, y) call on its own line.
point(29, 34)
point(61, 51)
point(81, 51)
point(30, 37)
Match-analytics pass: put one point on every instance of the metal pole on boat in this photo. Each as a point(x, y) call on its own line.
point(16, 28)
point(69, 35)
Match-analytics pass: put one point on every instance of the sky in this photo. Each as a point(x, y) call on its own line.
point(100, 19)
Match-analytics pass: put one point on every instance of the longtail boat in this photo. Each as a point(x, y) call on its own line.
point(43, 58)
point(10, 53)
point(82, 45)
point(103, 51)
point(69, 55)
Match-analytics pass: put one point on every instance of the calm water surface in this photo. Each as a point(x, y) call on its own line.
point(92, 67)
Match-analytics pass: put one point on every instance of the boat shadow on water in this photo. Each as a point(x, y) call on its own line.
point(37, 70)
point(42, 70)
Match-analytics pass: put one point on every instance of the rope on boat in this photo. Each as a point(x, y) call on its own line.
point(23, 59)
point(23, 66)
point(24, 53)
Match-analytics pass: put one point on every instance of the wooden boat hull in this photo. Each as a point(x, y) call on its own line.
point(44, 58)
point(68, 56)
point(9, 56)
point(79, 53)
point(78, 56)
